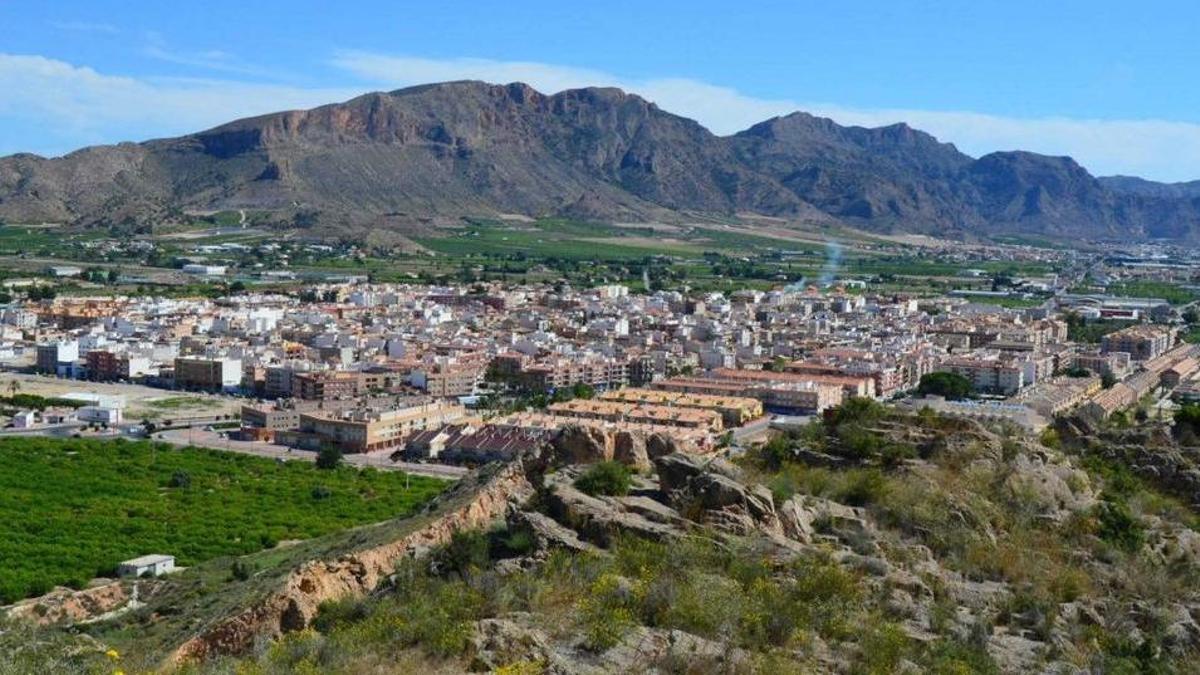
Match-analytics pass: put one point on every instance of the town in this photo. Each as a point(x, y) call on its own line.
point(442, 377)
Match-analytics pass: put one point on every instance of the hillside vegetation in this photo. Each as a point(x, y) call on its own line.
point(929, 545)
point(869, 541)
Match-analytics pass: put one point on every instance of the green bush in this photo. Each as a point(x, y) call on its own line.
point(1119, 526)
point(241, 570)
point(330, 457)
point(611, 479)
point(953, 386)
point(466, 551)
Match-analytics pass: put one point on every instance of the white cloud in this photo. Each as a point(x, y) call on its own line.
point(1157, 149)
point(73, 105)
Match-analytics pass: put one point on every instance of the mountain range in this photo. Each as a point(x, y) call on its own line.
point(443, 151)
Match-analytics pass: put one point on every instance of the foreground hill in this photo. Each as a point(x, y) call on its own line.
point(469, 148)
point(871, 541)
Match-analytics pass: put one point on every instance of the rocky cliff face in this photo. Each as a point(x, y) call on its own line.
point(468, 148)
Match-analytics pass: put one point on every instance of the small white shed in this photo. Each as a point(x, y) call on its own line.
point(148, 565)
point(24, 419)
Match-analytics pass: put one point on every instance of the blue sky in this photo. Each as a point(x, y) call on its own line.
point(1110, 83)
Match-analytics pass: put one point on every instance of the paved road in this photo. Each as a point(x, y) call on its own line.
point(752, 429)
point(211, 439)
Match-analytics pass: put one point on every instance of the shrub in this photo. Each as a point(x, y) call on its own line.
point(466, 551)
point(1118, 526)
point(604, 613)
point(1187, 421)
point(854, 409)
point(946, 657)
point(612, 479)
point(776, 452)
point(180, 479)
point(518, 542)
point(864, 487)
point(1050, 438)
point(330, 457)
point(320, 492)
point(241, 570)
point(883, 648)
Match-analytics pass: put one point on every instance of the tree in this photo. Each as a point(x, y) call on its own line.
point(952, 386)
point(330, 457)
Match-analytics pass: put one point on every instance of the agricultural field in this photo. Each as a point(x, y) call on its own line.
point(554, 239)
point(1172, 293)
point(71, 509)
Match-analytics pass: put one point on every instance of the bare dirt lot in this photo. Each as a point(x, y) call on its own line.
point(140, 401)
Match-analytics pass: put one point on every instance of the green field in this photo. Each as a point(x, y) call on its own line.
point(551, 239)
point(71, 509)
point(1172, 293)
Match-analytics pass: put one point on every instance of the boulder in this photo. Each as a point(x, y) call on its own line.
point(629, 448)
point(797, 520)
point(580, 444)
point(676, 470)
point(499, 642)
point(659, 444)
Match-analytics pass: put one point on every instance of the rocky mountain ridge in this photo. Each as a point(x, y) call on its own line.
point(443, 151)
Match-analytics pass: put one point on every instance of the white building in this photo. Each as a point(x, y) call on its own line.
point(204, 270)
point(148, 565)
point(24, 419)
point(99, 414)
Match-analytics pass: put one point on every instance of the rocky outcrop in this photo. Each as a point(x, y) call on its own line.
point(547, 533)
point(709, 492)
point(583, 444)
point(511, 639)
point(500, 642)
point(659, 444)
point(600, 519)
point(72, 606)
point(295, 604)
point(630, 450)
point(1056, 488)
